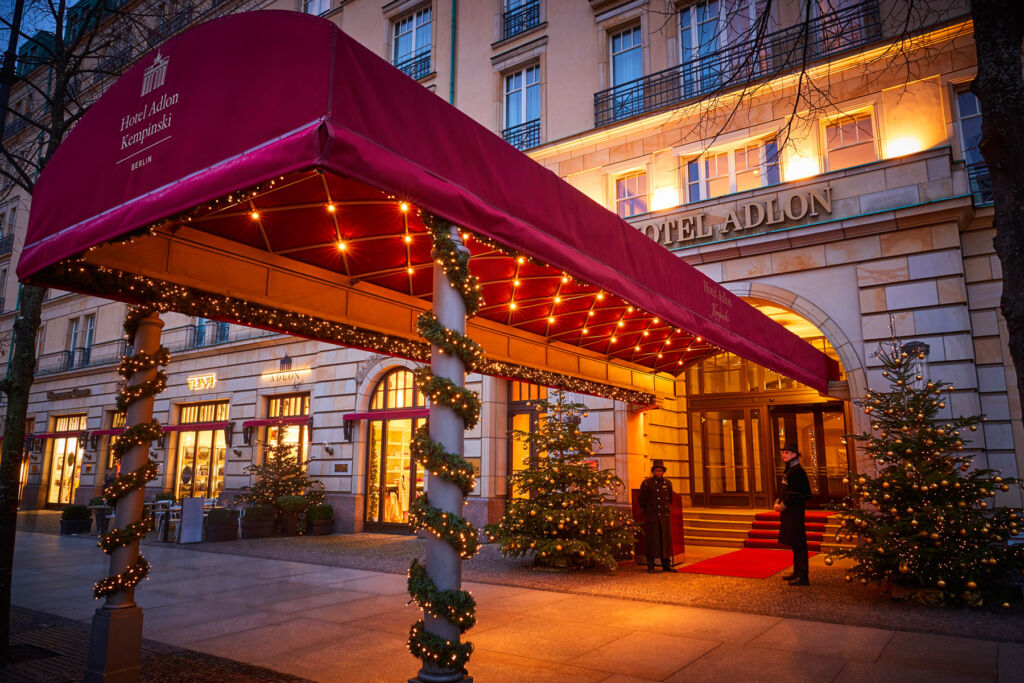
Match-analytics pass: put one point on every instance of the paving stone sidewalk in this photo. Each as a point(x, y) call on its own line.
point(329, 623)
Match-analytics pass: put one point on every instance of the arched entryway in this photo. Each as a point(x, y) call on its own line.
point(392, 477)
point(741, 413)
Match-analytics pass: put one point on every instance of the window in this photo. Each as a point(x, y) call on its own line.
point(117, 421)
point(523, 417)
point(292, 405)
point(968, 114)
point(631, 194)
point(850, 142)
point(66, 459)
point(87, 342)
point(40, 337)
point(3, 287)
point(72, 345)
point(210, 332)
point(519, 16)
point(393, 479)
point(627, 66)
point(411, 44)
point(745, 168)
point(316, 7)
point(200, 453)
point(522, 108)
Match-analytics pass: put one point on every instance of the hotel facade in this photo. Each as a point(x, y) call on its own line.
point(823, 168)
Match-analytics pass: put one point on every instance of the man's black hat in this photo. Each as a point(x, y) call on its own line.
point(791, 446)
point(658, 464)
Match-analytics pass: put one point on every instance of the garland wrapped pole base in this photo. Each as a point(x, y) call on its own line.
point(436, 585)
point(116, 639)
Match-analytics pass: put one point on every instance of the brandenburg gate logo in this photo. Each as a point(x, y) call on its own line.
point(155, 74)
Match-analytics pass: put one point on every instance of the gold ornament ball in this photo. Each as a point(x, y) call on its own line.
point(1006, 605)
point(828, 561)
point(971, 585)
point(940, 583)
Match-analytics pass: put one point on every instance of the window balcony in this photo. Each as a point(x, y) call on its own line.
point(981, 184)
point(524, 136)
point(6, 243)
point(170, 26)
point(790, 49)
point(415, 65)
point(520, 19)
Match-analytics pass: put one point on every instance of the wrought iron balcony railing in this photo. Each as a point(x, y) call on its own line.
point(520, 19)
point(415, 65)
point(523, 136)
point(981, 184)
point(6, 243)
point(786, 50)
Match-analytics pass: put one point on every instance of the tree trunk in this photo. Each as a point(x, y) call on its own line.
point(999, 86)
point(16, 386)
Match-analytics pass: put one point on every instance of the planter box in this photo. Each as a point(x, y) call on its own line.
point(320, 527)
point(257, 529)
point(75, 526)
point(290, 525)
point(221, 532)
point(102, 515)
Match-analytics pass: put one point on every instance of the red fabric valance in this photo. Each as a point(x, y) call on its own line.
point(56, 435)
point(396, 414)
point(271, 421)
point(115, 431)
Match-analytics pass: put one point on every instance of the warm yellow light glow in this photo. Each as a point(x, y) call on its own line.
point(620, 323)
point(255, 215)
point(521, 260)
point(404, 207)
point(898, 147)
point(659, 355)
point(665, 198)
point(698, 339)
point(600, 296)
point(646, 333)
point(342, 246)
point(585, 330)
point(408, 238)
point(590, 313)
point(515, 283)
point(630, 309)
point(637, 348)
point(409, 270)
point(558, 299)
point(656, 321)
point(565, 279)
point(512, 305)
point(201, 382)
point(551, 319)
point(801, 167)
point(613, 338)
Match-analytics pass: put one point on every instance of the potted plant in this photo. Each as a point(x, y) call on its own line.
point(291, 507)
point(75, 519)
point(320, 520)
point(258, 521)
point(98, 505)
point(222, 525)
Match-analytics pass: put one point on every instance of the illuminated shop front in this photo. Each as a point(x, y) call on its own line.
point(66, 459)
point(201, 450)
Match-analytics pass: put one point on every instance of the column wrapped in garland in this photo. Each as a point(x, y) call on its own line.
point(143, 379)
point(449, 611)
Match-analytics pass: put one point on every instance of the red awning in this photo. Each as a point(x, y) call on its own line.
point(271, 421)
point(341, 143)
point(56, 435)
point(196, 427)
point(396, 414)
point(115, 431)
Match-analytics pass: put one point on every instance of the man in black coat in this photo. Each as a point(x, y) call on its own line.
point(656, 501)
point(793, 493)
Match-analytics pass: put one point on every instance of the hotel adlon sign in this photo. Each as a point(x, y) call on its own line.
point(725, 221)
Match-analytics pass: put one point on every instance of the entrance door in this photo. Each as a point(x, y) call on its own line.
point(66, 470)
point(394, 480)
point(201, 463)
point(819, 432)
point(734, 469)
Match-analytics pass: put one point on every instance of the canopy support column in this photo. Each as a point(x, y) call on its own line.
point(447, 428)
point(116, 641)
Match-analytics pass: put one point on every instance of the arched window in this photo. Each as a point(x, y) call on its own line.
point(393, 479)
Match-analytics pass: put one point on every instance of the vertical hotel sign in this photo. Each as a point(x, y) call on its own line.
point(150, 124)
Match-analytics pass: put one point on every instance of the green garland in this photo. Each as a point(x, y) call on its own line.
point(457, 531)
point(136, 435)
point(458, 607)
point(451, 342)
point(429, 647)
point(433, 456)
point(443, 392)
point(454, 606)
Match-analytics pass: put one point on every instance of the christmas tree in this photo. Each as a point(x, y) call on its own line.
point(926, 522)
point(281, 474)
point(562, 519)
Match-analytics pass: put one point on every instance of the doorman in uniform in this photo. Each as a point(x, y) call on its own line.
point(793, 493)
point(656, 501)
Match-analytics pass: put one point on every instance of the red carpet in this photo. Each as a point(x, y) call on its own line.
point(765, 531)
point(748, 563)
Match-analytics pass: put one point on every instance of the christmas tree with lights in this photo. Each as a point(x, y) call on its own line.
point(561, 517)
point(925, 524)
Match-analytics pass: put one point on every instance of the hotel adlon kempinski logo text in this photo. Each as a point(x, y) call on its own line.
point(140, 130)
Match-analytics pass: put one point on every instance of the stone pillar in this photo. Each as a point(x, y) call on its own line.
point(116, 641)
point(444, 566)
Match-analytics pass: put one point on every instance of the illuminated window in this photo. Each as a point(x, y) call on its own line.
point(200, 454)
point(745, 168)
point(292, 405)
point(66, 459)
point(631, 194)
point(393, 479)
point(522, 416)
point(850, 142)
point(117, 421)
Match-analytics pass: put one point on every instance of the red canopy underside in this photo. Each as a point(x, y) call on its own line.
point(277, 131)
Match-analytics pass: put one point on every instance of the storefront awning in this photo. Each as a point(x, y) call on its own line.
point(196, 427)
point(397, 414)
point(273, 421)
point(293, 205)
point(115, 431)
point(57, 435)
